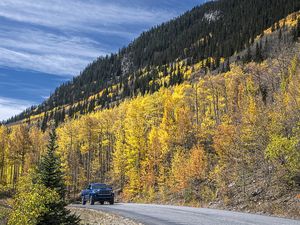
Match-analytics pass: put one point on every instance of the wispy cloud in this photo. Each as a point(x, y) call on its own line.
point(76, 14)
point(47, 52)
point(10, 107)
point(62, 37)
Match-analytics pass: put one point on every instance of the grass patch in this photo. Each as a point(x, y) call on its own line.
point(4, 212)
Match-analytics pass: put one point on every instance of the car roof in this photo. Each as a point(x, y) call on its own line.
point(98, 184)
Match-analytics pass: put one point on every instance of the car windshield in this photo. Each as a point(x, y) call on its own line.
point(99, 186)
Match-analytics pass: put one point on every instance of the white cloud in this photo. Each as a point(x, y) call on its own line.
point(54, 36)
point(10, 107)
point(46, 52)
point(76, 14)
point(34, 40)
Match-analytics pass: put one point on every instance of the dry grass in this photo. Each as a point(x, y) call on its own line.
point(94, 217)
point(4, 212)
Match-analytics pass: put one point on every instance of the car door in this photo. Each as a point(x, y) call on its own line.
point(86, 192)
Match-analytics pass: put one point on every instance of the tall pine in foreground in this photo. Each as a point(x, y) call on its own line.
point(52, 177)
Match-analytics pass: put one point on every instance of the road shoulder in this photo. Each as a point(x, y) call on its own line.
point(97, 217)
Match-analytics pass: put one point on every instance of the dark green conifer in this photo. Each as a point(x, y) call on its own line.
point(258, 53)
point(248, 56)
point(280, 35)
point(51, 176)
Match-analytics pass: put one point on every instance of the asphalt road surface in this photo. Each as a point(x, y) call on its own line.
point(149, 214)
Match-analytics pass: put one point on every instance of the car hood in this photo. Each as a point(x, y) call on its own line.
point(102, 189)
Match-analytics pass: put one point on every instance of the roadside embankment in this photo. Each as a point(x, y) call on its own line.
point(94, 217)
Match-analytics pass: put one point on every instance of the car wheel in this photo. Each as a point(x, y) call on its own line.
point(83, 200)
point(112, 201)
point(92, 201)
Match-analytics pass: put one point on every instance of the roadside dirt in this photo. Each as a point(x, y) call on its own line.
point(93, 217)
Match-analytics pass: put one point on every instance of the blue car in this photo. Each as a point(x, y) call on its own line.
point(98, 192)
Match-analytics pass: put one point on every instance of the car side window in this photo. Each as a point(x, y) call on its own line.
point(89, 187)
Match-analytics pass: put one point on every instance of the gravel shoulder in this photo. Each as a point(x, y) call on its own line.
point(96, 217)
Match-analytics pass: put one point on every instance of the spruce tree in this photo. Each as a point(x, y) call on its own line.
point(227, 65)
point(298, 27)
point(248, 56)
point(280, 35)
point(258, 53)
point(266, 47)
point(51, 176)
point(296, 31)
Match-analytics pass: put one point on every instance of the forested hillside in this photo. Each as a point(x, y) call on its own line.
point(229, 140)
point(202, 111)
point(208, 34)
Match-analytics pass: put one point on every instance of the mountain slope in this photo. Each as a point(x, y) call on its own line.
point(223, 139)
point(209, 34)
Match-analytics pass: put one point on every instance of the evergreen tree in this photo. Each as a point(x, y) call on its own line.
point(298, 27)
point(296, 31)
point(228, 65)
point(273, 28)
point(52, 177)
point(258, 53)
point(248, 56)
point(44, 122)
point(280, 35)
point(266, 47)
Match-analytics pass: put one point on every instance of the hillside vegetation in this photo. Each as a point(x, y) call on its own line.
point(223, 136)
point(232, 139)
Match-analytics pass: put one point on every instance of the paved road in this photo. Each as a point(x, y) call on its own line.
point(177, 215)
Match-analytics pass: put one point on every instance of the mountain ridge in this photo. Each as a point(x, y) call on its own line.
point(213, 135)
point(137, 68)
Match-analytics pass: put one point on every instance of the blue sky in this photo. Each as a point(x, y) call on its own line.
point(45, 43)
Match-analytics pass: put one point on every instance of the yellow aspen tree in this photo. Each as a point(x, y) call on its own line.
point(19, 147)
point(69, 144)
point(197, 163)
point(88, 138)
point(38, 145)
point(136, 142)
point(226, 147)
point(178, 179)
point(154, 159)
point(3, 153)
point(119, 154)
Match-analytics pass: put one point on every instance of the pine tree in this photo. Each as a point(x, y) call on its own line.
point(298, 27)
point(228, 65)
point(296, 31)
point(258, 53)
point(52, 177)
point(44, 122)
point(280, 35)
point(273, 28)
point(266, 46)
point(248, 56)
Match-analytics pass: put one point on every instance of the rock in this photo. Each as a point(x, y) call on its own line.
point(231, 184)
point(258, 191)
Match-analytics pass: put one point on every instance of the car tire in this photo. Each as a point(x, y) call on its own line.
point(83, 200)
point(92, 201)
point(112, 201)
